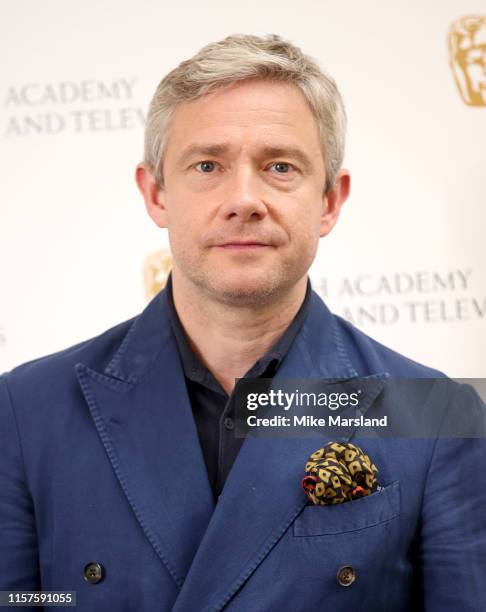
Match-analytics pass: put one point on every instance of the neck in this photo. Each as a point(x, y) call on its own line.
point(229, 340)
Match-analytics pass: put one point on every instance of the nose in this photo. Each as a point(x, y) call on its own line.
point(243, 196)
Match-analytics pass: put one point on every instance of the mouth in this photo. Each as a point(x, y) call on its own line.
point(243, 246)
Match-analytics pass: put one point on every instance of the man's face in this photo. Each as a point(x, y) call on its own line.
point(243, 194)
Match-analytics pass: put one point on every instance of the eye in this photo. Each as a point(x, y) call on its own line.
point(282, 167)
point(205, 166)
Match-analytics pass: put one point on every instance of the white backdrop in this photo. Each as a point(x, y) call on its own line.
point(406, 262)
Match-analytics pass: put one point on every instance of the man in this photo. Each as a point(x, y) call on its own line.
point(121, 475)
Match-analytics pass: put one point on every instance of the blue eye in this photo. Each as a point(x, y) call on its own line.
point(206, 166)
point(282, 167)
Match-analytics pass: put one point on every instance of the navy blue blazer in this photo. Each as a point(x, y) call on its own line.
point(101, 463)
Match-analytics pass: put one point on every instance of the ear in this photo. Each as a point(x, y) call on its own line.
point(153, 194)
point(333, 201)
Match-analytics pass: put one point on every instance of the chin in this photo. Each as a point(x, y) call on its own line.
point(244, 290)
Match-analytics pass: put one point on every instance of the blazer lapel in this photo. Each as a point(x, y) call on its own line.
point(143, 416)
point(262, 494)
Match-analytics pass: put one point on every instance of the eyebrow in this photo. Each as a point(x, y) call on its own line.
point(217, 149)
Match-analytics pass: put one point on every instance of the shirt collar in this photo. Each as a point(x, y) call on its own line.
point(266, 366)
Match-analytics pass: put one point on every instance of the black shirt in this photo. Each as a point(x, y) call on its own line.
point(212, 408)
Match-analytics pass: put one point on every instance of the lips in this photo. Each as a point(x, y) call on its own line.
point(246, 245)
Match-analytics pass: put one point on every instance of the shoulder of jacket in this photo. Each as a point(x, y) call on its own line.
point(373, 355)
point(95, 351)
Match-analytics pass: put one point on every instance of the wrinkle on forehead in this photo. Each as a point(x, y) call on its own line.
point(247, 118)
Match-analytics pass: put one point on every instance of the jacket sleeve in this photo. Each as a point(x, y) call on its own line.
point(19, 566)
point(452, 555)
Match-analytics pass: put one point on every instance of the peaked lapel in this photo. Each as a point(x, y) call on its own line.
point(262, 493)
point(143, 416)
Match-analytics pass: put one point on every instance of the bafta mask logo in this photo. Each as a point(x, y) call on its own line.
point(467, 53)
point(156, 270)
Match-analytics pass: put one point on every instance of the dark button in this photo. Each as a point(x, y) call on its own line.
point(346, 575)
point(196, 374)
point(229, 423)
point(93, 572)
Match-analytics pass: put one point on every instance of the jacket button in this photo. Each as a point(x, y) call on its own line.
point(346, 575)
point(93, 572)
point(229, 423)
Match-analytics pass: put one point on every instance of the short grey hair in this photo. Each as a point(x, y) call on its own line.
point(237, 58)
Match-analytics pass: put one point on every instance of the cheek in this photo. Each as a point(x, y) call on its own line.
point(304, 236)
point(182, 218)
point(187, 226)
point(304, 225)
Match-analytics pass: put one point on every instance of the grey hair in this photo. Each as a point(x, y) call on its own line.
point(237, 58)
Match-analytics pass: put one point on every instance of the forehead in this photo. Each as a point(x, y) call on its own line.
point(250, 113)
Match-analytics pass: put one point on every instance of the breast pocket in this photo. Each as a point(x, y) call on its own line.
point(375, 509)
